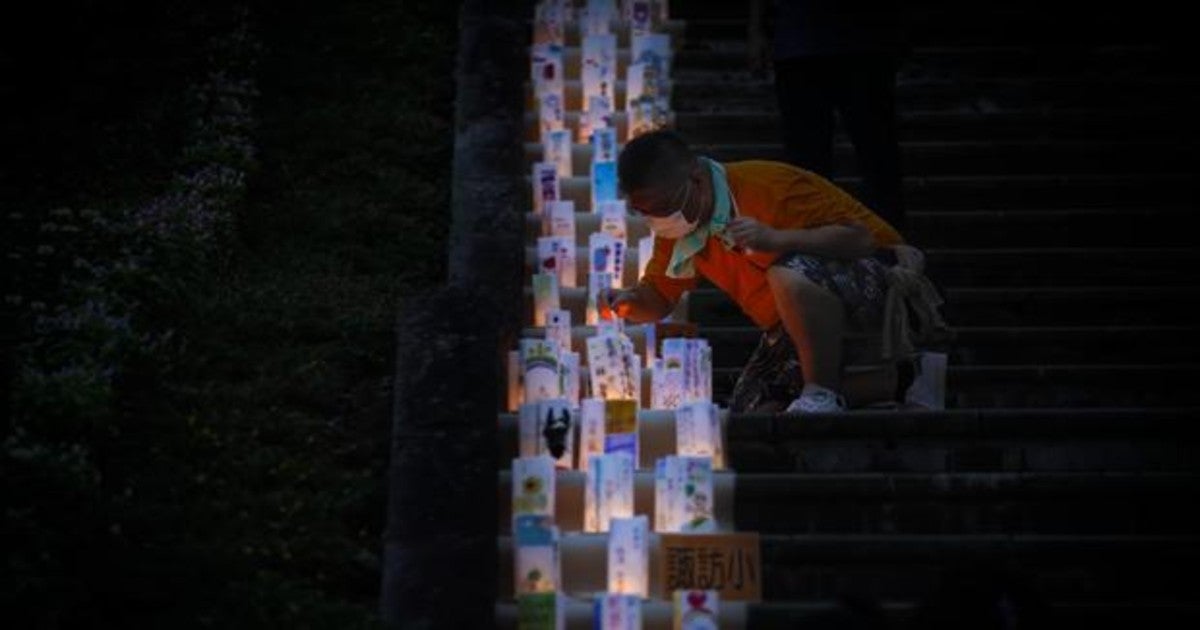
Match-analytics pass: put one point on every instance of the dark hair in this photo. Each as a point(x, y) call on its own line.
point(653, 160)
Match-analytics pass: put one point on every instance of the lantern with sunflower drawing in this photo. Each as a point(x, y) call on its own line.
point(533, 485)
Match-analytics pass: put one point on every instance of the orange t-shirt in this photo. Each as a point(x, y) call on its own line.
point(781, 196)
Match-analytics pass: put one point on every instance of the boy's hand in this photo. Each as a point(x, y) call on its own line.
point(615, 303)
point(753, 235)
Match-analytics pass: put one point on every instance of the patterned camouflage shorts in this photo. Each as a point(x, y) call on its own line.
point(771, 378)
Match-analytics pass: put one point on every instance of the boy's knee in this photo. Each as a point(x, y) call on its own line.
point(794, 281)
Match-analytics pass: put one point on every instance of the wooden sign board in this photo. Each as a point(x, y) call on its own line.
point(730, 564)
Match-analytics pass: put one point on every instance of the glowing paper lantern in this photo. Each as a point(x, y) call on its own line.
point(606, 254)
point(612, 219)
point(556, 255)
point(570, 376)
point(629, 556)
point(591, 428)
point(558, 328)
point(695, 610)
point(545, 185)
point(604, 182)
point(549, 20)
point(545, 296)
point(698, 432)
point(533, 486)
point(597, 281)
point(618, 612)
point(614, 367)
point(560, 219)
point(539, 360)
point(683, 495)
point(548, 428)
point(536, 567)
point(604, 144)
point(556, 150)
point(541, 611)
point(609, 492)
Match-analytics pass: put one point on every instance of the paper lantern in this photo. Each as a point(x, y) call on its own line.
point(545, 296)
point(695, 610)
point(629, 556)
point(698, 432)
point(560, 219)
point(683, 495)
point(536, 560)
point(614, 367)
point(549, 22)
point(556, 256)
point(618, 612)
point(533, 486)
point(548, 427)
point(597, 281)
point(569, 376)
point(612, 219)
point(541, 611)
point(604, 144)
point(556, 150)
point(539, 362)
point(609, 492)
point(545, 185)
point(604, 183)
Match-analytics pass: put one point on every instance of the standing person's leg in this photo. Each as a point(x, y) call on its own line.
point(802, 89)
point(866, 99)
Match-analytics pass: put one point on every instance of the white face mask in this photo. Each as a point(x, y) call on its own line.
point(672, 226)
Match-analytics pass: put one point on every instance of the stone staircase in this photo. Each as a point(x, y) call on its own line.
point(1049, 187)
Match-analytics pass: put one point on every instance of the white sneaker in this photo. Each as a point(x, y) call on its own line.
point(818, 401)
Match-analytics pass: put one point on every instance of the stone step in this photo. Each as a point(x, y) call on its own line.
point(656, 439)
point(1112, 305)
point(1102, 227)
point(705, 57)
point(1136, 440)
point(994, 192)
point(960, 503)
point(656, 615)
point(1084, 568)
point(1047, 266)
point(941, 24)
point(1133, 440)
point(975, 157)
point(569, 499)
point(980, 121)
point(732, 345)
point(736, 92)
point(1051, 385)
point(961, 157)
point(1114, 614)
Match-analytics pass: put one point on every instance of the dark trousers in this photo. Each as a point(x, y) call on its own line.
point(862, 90)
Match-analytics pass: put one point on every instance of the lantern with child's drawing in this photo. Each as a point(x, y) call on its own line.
point(609, 491)
point(536, 565)
point(614, 611)
point(698, 432)
point(629, 556)
point(548, 427)
point(683, 494)
point(556, 256)
point(695, 610)
point(533, 486)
